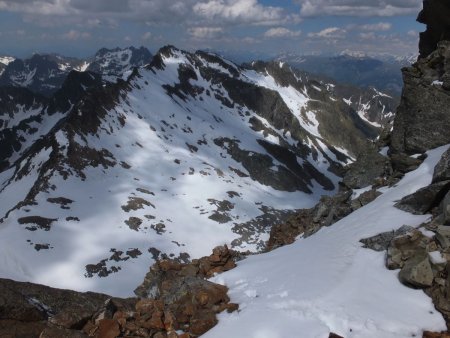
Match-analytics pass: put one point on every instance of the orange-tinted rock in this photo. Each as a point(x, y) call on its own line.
point(170, 322)
point(202, 322)
point(428, 334)
point(90, 328)
point(167, 265)
point(108, 328)
point(145, 305)
point(231, 307)
point(202, 298)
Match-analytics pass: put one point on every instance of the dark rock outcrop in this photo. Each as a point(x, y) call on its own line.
point(436, 15)
point(423, 121)
point(423, 200)
point(442, 169)
point(369, 167)
point(382, 241)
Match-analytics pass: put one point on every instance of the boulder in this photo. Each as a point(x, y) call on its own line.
point(442, 169)
point(423, 200)
point(417, 272)
point(443, 237)
point(369, 166)
point(403, 163)
point(364, 199)
point(446, 209)
point(381, 241)
point(404, 247)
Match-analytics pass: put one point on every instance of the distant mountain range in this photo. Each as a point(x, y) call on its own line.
point(382, 71)
point(45, 73)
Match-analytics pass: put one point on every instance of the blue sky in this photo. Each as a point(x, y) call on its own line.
point(80, 27)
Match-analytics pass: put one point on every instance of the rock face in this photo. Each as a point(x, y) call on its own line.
point(442, 169)
point(423, 200)
point(369, 166)
point(422, 121)
point(436, 15)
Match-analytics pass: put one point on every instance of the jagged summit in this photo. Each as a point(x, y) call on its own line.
point(114, 63)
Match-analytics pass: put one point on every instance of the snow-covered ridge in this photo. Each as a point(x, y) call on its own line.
point(186, 155)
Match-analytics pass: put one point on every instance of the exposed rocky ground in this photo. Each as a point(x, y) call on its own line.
point(174, 300)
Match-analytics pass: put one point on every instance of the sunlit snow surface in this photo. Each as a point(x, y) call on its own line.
point(181, 187)
point(329, 283)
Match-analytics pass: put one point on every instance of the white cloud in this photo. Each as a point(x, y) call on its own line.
point(329, 33)
point(147, 36)
point(377, 27)
point(359, 7)
point(413, 33)
point(205, 32)
point(367, 36)
point(242, 11)
point(281, 32)
point(93, 13)
point(76, 35)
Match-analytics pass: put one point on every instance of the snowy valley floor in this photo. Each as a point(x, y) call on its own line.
point(329, 283)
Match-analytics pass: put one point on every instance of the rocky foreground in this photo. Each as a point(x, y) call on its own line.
point(176, 301)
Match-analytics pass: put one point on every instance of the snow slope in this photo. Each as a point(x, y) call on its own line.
point(171, 163)
point(329, 283)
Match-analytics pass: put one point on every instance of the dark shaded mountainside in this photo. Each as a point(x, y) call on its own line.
point(175, 297)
